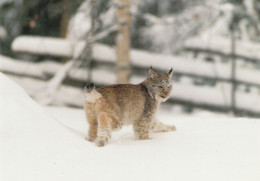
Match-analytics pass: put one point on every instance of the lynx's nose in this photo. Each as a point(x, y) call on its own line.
point(166, 93)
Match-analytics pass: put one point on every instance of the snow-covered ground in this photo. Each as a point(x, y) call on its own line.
point(47, 143)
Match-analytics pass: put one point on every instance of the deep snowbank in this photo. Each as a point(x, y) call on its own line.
point(48, 144)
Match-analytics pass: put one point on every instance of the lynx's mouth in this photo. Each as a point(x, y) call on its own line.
point(164, 96)
point(161, 98)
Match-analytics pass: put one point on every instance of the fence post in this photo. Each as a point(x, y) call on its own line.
point(233, 69)
point(89, 44)
point(123, 41)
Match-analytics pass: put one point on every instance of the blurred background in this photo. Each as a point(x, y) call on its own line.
point(53, 47)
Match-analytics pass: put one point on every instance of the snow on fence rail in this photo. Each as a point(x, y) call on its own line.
point(209, 97)
point(221, 45)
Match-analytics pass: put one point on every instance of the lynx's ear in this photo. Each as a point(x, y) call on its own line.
point(152, 73)
point(170, 73)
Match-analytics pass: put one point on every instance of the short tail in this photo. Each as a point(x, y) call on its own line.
point(89, 87)
point(91, 95)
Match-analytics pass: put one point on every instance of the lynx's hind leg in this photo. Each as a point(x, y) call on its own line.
point(91, 97)
point(91, 118)
point(104, 128)
point(157, 126)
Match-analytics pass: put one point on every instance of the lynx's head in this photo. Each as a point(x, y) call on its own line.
point(159, 84)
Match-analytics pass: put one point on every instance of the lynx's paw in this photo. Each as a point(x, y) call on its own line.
point(142, 136)
point(90, 139)
point(171, 128)
point(160, 127)
point(165, 129)
point(101, 141)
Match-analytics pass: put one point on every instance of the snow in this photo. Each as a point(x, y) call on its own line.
point(214, 42)
point(3, 34)
point(80, 23)
point(47, 143)
point(166, 33)
point(2, 2)
point(21, 67)
point(46, 46)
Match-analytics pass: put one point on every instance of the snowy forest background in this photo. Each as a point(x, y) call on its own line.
point(53, 47)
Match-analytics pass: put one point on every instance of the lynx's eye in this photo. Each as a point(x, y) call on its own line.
point(160, 87)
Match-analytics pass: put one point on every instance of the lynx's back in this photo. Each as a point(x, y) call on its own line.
point(127, 101)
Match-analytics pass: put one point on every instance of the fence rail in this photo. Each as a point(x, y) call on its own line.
point(219, 45)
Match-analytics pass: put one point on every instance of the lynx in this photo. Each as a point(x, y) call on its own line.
point(109, 108)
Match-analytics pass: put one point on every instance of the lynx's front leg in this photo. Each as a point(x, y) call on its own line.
point(141, 128)
point(157, 126)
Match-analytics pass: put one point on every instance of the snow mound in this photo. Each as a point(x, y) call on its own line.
point(30, 139)
point(48, 144)
point(3, 34)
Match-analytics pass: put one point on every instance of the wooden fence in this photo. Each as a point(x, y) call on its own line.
point(197, 83)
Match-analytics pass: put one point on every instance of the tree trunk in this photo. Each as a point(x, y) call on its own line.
point(253, 11)
point(123, 42)
point(64, 18)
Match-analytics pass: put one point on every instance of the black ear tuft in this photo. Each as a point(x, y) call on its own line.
point(152, 72)
point(170, 73)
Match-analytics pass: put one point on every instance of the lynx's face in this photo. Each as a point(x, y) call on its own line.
point(160, 85)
